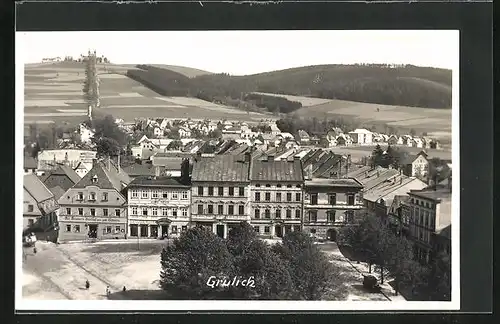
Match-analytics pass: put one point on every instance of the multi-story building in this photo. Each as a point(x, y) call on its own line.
point(95, 207)
point(330, 204)
point(220, 192)
point(276, 189)
point(158, 206)
point(430, 222)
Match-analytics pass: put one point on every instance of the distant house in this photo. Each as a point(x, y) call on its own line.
point(416, 165)
point(50, 159)
point(274, 129)
point(81, 169)
point(86, 134)
point(344, 140)
point(303, 137)
point(157, 131)
point(418, 142)
point(184, 132)
point(30, 165)
point(393, 140)
point(362, 136)
point(286, 136)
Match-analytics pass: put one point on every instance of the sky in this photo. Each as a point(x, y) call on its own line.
point(247, 52)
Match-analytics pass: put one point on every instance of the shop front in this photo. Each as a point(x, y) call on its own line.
point(74, 228)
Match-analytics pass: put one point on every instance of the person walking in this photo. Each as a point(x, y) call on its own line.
point(108, 291)
point(124, 289)
point(87, 284)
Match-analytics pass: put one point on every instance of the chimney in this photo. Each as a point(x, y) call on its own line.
point(248, 157)
point(401, 180)
point(119, 167)
point(94, 162)
point(270, 158)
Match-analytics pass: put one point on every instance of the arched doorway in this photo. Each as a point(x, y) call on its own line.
point(331, 234)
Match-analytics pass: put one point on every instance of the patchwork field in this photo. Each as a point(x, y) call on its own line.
point(436, 122)
point(53, 93)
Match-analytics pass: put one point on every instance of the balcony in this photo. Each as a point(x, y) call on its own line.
point(325, 204)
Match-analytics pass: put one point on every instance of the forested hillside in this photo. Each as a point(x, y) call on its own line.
point(404, 85)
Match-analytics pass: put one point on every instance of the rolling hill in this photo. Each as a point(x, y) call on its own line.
point(379, 84)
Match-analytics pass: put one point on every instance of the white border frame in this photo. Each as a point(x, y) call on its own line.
point(214, 305)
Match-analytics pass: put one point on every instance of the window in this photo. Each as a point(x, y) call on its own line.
point(144, 211)
point(77, 228)
point(268, 185)
point(289, 186)
point(256, 229)
point(184, 212)
point(230, 209)
point(296, 228)
point(289, 196)
point(331, 216)
point(164, 211)
point(332, 199)
point(31, 222)
point(175, 195)
point(297, 197)
point(117, 212)
point(257, 213)
point(241, 209)
point(267, 213)
point(105, 211)
point(313, 231)
point(174, 229)
point(231, 191)
point(349, 215)
point(278, 196)
point(257, 196)
point(268, 196)
point(104, 196)
point(267, 229)
point(165, 194)
point(278, 185)
point(200, 209)
point(144, 194)
point(30, 208)
point(155, 211)
point(174, 212)
point(134, 211)
point(257, 185)
point(80, 211)
point(278, 213)
point(117, 229)
point(313, 216)
point(68, 211)
point(108, 229)
point(210, 191)
point(350, 199)
point(288, 213)
point(184, 228)
point(68, 228)
point(154, 194)
point(80, 196)
point(92, 211)
point(200, 191)
point(220, 209)
point(241, 191)
point(298, 186)
point(220, 191)
point(184, 195)
point(314, 199)
point(297, 213)
point(426, 219)
point(210, 209)
point(412, 200)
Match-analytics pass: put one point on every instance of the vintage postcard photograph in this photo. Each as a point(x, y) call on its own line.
point(237, 170)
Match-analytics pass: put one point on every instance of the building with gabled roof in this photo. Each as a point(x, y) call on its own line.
point(64, 177)
point(220, 191)
point(39, 205)
point(30, 165)
point(95, 207)
point(276, 189)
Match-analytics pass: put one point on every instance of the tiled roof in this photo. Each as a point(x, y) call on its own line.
point(342, 182)
point(149, 181)
point(30, 163)
point(139, 169)
point(58, 192)
point(66, 170)
point(264, 170)
point(108, 177)
point(438, 194)
point(36, 188)
point(226, 168)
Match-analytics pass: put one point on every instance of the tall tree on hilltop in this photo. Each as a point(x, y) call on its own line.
point(377, 156)
point(91, 82)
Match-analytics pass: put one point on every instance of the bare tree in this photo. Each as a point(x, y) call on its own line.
point(91, 82)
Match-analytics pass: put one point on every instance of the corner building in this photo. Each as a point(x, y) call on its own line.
point(276, 196)
point(220, 192)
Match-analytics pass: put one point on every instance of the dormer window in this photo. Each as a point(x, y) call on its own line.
point(94, 179)
point(80, 196)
